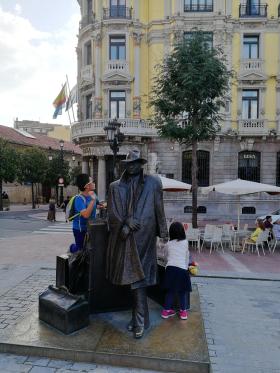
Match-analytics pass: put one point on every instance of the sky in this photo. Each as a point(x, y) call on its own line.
point(37, 49)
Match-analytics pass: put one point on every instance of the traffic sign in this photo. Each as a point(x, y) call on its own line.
point(61, 180)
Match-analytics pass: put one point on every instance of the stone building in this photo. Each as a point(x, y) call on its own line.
point(119, 44)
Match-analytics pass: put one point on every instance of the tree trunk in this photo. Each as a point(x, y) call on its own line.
point(1, 199)
point(194, 184)
point(32, 193)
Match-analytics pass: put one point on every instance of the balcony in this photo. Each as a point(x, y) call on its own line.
point(87, 73)
point(130, 127)
point(251, 64)
point(198, 7)
point(117, 66)
point(251, 127)
point(252, 11)
point(119, 12)
point(86, 20)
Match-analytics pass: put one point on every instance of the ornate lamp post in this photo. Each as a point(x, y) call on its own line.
point(115, 137)
point(61, 180)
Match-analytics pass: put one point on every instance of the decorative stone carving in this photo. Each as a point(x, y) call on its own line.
point(136, 107)
point(217, 141)
point(97, 107)
point(137, 37)
point(152, 163)
point(98, 39)
point(247, 144)
point(103, 150)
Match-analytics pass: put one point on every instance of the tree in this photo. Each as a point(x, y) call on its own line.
point(8, 166)
point(34, 163)
point(188, 93)
point(55, 170)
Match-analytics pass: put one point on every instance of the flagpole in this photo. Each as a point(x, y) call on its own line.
point(69, 96)
point(66, 103)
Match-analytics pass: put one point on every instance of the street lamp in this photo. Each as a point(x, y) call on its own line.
point(61, 181)
point(115, 137)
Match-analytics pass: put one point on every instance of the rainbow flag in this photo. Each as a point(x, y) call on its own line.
point(59, 102)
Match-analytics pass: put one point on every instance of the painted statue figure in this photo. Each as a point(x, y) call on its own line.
point(136, 217)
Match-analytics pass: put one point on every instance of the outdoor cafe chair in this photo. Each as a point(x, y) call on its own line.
point(207, 231)
point(227, 236)
point(263, 237)
point(193, 236)
point(215, 240)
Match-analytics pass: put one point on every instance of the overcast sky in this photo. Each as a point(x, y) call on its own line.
point(37, 50)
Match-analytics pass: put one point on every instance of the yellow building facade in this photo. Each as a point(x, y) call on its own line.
point(121, 42)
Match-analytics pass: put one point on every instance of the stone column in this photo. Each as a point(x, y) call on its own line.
point(136, 9)
point(167, 8)
point(178, 7)
point(85, 168)
point(101, 178)
point(136, 98)
point(91, 167)
point(97, 110)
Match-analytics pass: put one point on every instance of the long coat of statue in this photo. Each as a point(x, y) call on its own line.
point(133, 260)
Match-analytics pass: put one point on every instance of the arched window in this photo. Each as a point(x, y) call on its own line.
point(278, 167)
point(248, 210)
point(249, 165)
point(203, 161)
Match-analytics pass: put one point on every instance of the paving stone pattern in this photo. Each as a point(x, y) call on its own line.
point(16, 302)
point(242, 324)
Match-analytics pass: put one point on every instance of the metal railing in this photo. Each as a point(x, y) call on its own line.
point(279, 10)
point(198, 7)
point(253, 10)
point(129, 127)
point(117, 12)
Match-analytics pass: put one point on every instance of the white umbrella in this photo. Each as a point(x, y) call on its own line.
point(172, 185)
point(240, 187)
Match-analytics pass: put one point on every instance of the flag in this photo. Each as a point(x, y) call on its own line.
point(59, 102)
point(72, 99)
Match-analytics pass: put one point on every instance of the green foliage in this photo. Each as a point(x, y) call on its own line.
point(33, 165)
point(189, 90)
point(8, 162)
point(55, 170)
point(75, 171)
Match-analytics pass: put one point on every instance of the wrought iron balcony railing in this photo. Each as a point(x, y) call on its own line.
point(198, 7)
point(253, 10)
point(279, 10)
point(117, 12)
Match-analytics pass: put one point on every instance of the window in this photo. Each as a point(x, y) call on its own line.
point(198, 6)
point(207, 35)
point(89, 7)
point(250, 104)
point(200, 210)
point(88, 106)
point(117, 104)
point(248, 210)
point(278, 169)
point(251, 46)
point(253, 7)
point(170, 176)
point(203, 160)
point(88, 57)
point(117, 8)
point(249, 164)
point(117, 48)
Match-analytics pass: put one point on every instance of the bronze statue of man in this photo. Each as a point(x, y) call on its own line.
point(136, 217)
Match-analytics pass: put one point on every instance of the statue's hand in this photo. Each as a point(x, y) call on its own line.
point(124, 232)
point(133, 224)
point(164, 239)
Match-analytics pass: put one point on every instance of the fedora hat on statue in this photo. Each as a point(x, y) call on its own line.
point(134, 156)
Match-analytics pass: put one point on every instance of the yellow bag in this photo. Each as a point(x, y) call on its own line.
point(193, 269)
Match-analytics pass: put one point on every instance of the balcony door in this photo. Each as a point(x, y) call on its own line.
point(250, 104)
point(117, 8)
point(251, 46)
point(117, 48)
point(253, 7)
point(117, 104)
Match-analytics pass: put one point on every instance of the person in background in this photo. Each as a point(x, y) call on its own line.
point(51, 212)
point(85, 205)
point(268, 222)
point(276, 230)
point(177, 277)
point(259, 228)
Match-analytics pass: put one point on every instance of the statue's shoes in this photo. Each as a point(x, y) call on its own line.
point(130, 326)
point(138, 332)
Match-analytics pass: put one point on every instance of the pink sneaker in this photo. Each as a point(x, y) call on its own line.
point(165, 314)
point(183, 314)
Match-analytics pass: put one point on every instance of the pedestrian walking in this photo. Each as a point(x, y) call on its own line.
point(177, 277)
point(51, 212)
